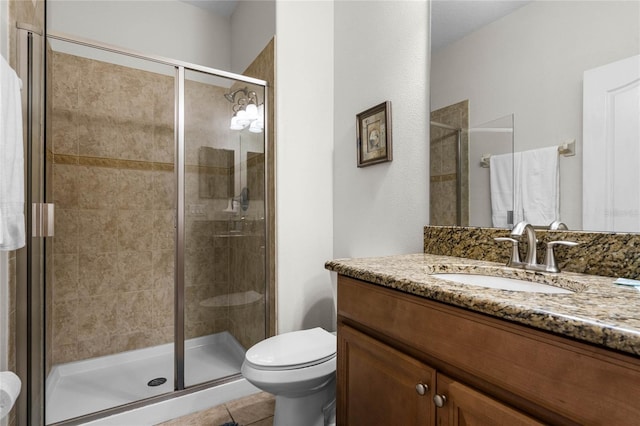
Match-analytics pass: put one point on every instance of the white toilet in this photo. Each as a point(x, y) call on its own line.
point(299, 368)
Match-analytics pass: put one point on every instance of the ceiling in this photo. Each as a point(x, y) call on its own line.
point(451, 20)
point(219, 7)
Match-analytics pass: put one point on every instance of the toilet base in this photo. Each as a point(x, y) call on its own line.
point(305, 410)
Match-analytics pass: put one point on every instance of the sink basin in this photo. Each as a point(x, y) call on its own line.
point(501, 283)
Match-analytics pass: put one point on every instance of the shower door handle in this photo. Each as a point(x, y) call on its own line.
point(42, 219)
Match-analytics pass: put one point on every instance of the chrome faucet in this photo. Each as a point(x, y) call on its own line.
point(517, 233)
point(530, 262)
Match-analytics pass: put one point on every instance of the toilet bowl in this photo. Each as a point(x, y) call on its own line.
point(299, 368)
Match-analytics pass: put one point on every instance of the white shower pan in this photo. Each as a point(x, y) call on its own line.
point(83, 387)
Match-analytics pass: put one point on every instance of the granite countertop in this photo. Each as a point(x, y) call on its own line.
point(598, 311)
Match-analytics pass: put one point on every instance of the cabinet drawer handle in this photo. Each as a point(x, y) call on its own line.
point(439, 400)
point(422, 389)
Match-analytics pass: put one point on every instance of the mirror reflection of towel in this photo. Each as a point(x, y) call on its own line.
point(540, 180)
point(526, 183)
point(501, 168)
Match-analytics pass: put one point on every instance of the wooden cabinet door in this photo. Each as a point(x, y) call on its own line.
point(465, 406)
point(377, 384)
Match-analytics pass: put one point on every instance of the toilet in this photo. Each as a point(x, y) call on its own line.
point(299, 368)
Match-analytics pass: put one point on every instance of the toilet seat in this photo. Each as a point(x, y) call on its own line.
point(293, 350)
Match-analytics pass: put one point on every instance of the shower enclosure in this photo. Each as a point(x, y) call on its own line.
point(155, 281)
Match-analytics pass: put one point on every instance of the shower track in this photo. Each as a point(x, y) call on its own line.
point(82, 387)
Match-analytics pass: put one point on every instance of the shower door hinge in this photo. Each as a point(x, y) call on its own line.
point(42, 220)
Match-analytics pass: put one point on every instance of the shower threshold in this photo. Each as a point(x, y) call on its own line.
point(83, 387)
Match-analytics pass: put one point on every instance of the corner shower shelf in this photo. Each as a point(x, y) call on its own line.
point(232, 299)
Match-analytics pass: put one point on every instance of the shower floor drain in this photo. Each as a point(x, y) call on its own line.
point(157, 381)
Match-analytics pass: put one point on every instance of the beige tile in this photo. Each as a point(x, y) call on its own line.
point(65, 277)
point(135, 230)
point(64, 353)
point(95, 346)
point(136, 270)
point(98, 135)
point(164, 190)
point(97, 187)
point(197, 329)
point(252, 408)
point(213, 416)
point(163, 269)
point(199, 267)
point(136, 142)
point(65, 186)
point(132, 341)
point(135, 190)
point(97, 231)
point(164, 229)
point(64, 129)
point(65, 320)
point(97, 316)
point(137, 90)
point(134, 312)
point(163, 303)
point(163, 143)
point(65, 81)
point(100, 274)
point(99, 90)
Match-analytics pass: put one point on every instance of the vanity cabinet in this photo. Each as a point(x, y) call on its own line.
point(380, 385)
point(397, 351)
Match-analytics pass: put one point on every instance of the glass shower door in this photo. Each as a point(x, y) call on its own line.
point(110, 297)
point(224, 247)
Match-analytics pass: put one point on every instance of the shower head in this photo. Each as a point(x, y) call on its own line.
point(231, 96)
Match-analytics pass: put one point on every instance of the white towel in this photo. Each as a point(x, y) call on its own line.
point(12, 225)
point(540, 186)
point(501, 173)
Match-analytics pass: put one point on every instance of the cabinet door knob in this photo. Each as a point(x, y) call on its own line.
point(422, 389)
point(439, 400)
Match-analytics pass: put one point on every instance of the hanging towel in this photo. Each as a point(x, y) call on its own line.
point(12, 225)
point(502, 169)
point(540, 176)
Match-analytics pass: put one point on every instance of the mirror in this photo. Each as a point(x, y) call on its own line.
point(527, 59)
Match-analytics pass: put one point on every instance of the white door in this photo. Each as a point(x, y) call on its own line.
point(611, 147)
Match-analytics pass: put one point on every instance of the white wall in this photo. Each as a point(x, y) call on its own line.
point(253, 24)
point(304, 199)
point(531, 63)
point(172, 29)
point(381, 53)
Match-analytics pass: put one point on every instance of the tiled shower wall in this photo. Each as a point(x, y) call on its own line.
point(114, 189)
point(113, 186)
point(442, 161)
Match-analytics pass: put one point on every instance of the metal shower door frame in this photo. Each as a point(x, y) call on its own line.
point(31, 262)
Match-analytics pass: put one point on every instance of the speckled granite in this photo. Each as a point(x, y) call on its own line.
point(599, 312)
point(599, 253)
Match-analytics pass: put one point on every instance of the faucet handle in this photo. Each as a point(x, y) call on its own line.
point(515, 254)
point(550, 259)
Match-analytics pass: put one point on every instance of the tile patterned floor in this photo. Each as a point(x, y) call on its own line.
point(253, 410)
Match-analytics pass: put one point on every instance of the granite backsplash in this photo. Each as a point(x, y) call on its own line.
point(598, 253)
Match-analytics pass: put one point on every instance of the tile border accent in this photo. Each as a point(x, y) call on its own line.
point(113, 163)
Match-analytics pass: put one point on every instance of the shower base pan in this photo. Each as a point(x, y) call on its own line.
point(83, 387)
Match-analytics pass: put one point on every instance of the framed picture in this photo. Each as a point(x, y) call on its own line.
point(373, 135)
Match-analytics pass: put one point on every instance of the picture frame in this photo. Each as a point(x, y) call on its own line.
point(373, 135)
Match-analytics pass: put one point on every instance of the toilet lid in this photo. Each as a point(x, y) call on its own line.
point(295, 349)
